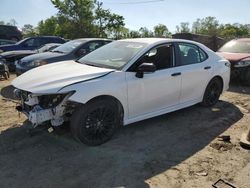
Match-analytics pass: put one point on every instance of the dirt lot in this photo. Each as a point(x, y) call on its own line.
point(179, 149)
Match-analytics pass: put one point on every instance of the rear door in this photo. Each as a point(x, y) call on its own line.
point(195, 70)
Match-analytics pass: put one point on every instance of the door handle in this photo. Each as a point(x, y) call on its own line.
point(208, 67)
point(176, 74)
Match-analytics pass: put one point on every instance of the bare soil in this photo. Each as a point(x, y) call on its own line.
point(176, 150)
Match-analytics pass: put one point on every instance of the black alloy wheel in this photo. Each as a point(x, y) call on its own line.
point(96, 122)
point(212, 93)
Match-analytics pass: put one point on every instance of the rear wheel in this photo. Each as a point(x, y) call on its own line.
point(212, 93)
point(95, 123)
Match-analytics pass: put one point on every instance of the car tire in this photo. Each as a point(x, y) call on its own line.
point(5, 75)
point(95, 122)
point(212, 92)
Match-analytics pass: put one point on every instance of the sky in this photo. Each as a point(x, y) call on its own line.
point(136, 14)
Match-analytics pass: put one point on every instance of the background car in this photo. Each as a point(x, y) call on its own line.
point(32, 43)
point(10, 33)
point(4, 71)
point(12, 56)
point(121, 83)
point(4, 42)
point(68, 51)
point(237, 51)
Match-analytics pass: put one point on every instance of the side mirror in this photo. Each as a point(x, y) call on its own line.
point(145, 68)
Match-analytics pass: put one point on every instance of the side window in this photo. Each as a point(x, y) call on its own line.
point(191, 54)
point(92, 46)
point(44, 41)
point(161, 56)
point(31, 43)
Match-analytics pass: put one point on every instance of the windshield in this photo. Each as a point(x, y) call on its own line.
point(114, 55)
point(21, 41)
point(235, 46)
point(47, 47)
point(68, 46)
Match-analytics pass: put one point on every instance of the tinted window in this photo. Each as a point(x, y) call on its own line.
point(191, 54)
point(57, 40)
point(33, 42)
point(161, 56)
point(69, 46)
point(92, 46)
point(235, 46)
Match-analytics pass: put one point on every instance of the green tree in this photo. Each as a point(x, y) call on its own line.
point(230, 31)
point(28, 30)
point(48, 26)
point(107, 23)
point(145, 32)
point(78, 15)
point(206, 26)
point(161, 30)
point(115, 26)
point(183, 28)
point(134, 34)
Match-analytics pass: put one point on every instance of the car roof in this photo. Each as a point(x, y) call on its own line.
point(90, 39)
point(157, 40)
point(8, 26)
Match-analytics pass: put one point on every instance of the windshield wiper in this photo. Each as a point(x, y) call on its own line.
point(86, 63)
point(91, 65)
point(57, 51)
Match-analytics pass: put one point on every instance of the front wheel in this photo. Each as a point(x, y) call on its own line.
point(212, 93)
point(95, 123)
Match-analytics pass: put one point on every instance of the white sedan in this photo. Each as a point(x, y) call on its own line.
point(121, 83)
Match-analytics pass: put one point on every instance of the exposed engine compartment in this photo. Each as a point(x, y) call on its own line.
point(43, 108)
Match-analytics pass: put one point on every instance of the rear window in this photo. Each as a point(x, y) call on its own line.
point(191, 54)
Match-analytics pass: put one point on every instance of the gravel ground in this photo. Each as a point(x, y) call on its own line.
point(179, 149)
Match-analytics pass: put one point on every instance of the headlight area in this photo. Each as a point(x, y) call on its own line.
point(242, 64)
point(53, 108)
point(36, 63)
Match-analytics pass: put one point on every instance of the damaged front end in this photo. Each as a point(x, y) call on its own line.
point(53, 108)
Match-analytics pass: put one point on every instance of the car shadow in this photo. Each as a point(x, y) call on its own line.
point(137, 152)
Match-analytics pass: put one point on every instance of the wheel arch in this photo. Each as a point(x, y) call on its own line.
point(117, 101)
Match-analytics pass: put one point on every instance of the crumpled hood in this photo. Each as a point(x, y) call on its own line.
point(42, 56)
point(234, 57)
point(51, 78)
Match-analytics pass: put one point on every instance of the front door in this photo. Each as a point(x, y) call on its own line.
point(157, 90)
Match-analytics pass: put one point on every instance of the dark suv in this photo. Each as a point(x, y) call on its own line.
point(32, 43)
point(10, 33)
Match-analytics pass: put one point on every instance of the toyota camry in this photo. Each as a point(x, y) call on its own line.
point(120, 83)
